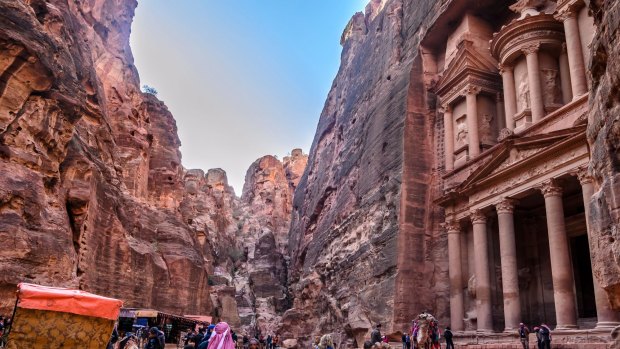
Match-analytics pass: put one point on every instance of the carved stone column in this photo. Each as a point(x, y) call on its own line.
point(573, 47)
point(457, 313)
point(448, 141)
point(471, 96)
point(606, 317)
point(567, 91)
point(508, 255)
point(533, 75)
point(499, 111)
point(561, 271)
point(483, 277)
point(510, 95)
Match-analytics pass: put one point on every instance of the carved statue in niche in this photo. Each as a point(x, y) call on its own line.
point(551, 86)
point(486, 129)
point(461, 131)
point(524, 95)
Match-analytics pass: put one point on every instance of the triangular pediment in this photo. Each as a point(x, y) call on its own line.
point(467, 59)
point(517, 152)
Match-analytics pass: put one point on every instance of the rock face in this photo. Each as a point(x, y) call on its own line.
point(93, 199)
point(97, 197)
point(261, 279)
point(604, 138)
point(360, 234)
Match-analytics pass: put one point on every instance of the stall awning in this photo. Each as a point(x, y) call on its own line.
point(67, 301)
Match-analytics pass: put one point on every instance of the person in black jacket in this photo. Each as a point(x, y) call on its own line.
point(375, 335)
point(154, 341)
point(448, 336)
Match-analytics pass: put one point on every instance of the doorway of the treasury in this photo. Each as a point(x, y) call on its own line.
point(536, 293)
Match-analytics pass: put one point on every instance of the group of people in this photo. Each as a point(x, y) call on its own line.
point(219, 336)
point(153, 337)
point(261, 342)
point(543, 336)
point(201, 339)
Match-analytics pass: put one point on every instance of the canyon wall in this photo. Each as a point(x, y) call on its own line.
point(92, 180)
point(604, 139)
point(93, 194)
point(365, 232)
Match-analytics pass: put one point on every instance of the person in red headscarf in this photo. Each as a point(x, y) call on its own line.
point(221, 337)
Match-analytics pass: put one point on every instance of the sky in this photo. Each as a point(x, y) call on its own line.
point(243, 78)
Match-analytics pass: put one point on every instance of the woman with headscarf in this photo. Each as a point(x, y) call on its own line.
point(221, 338)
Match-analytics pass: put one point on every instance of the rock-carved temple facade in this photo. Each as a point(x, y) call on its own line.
point(514, 99)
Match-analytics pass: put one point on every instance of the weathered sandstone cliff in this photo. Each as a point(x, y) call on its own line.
point(93, 194)
point(357, 226)
point(604, 138)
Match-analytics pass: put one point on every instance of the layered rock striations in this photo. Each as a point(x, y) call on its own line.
point(363, 221)
point(604, 139)
point(92, 180)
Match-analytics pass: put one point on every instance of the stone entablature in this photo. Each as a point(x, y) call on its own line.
point(517, 166)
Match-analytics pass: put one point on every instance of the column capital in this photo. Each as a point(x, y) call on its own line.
point(530, 49)
point(565, 13)
point(584, 176)
point(504, 68)
point(551, 188)
point(453, 227)
point(472, 90)
point(506, 205)
point(477, 216)
point(445, 108)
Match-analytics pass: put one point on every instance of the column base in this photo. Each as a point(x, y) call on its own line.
point(604, 325)
point(511, 330)
point(566, 327)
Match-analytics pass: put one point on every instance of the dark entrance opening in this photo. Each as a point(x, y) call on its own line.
point(582, 269)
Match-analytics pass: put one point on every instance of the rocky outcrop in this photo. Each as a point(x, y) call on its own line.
point(261, 277)
point(96, 186)
point(604, 138)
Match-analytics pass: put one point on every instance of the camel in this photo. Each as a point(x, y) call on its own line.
point(423, 337)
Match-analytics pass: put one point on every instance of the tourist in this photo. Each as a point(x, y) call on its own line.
point(197, 338)
point(209, 333)
point(435, 335)
point(538, 340)
point(524, 336)
point(404, 339)
point(326, 342)
point(261, 341)
point(188, 336)
point(407, 341)
point(448, 336)
point(113, 338)
point(375, 335)
point(317, 341)
point(545, 336)
point(276, 341)
point(367, 345)
point(269, 341)
point(246, 341)
point(254, 344)
point(234, 338)
point(153, 339)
